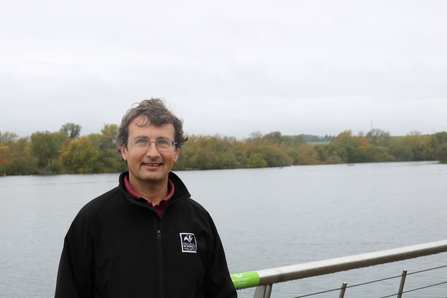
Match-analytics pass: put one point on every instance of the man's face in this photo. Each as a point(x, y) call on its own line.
point(151, 166)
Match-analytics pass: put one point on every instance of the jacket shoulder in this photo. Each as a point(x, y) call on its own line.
point(195, 205)
point(89, 211)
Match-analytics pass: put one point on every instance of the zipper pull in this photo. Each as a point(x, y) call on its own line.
point(158, 234)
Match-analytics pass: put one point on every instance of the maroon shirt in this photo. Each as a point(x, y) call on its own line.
point(160, 207)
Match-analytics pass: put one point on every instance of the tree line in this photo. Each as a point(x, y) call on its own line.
point(65, 151)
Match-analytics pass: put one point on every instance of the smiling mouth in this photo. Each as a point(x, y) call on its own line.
point(152, 164)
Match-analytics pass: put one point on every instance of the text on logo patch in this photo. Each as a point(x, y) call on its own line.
point(189, 242)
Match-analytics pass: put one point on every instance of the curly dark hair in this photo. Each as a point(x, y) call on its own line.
point(157, 114)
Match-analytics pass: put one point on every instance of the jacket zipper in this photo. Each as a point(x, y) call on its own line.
point(160, 251)
point(160, 261)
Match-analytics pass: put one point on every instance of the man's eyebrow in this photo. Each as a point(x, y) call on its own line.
point(145, 137)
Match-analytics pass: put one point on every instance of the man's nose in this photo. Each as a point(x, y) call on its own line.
point(152, 150)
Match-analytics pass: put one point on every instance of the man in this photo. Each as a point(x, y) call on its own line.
point(146, 237)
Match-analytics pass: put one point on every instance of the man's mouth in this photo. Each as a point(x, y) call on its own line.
point(152, 164)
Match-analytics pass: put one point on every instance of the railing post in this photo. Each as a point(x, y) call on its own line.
point(343, 290)
point(402, 283)
point(263, 291)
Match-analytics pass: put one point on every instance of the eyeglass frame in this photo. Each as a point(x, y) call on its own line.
point(173, 143)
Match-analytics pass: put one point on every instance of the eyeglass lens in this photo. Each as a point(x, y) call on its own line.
point(142, 143)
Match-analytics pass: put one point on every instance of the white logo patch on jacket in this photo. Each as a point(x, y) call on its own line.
point(189, 242)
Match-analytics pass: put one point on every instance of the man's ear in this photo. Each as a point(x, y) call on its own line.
point(176, 154)
point(123, 151)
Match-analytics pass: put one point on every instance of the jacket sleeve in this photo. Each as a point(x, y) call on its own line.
point(218, 283)
point(75, 276)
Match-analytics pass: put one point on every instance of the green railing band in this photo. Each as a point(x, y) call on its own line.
point(245, 279)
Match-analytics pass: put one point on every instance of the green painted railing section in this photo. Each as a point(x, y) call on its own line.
point(245, 280)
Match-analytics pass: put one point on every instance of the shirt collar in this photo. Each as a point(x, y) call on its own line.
point(135, 195)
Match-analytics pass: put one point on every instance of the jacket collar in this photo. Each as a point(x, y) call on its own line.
point(180, 188)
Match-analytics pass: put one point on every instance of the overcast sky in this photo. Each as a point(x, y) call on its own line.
point(226, 67)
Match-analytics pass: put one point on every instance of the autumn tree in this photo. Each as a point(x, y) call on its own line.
point(346, 145)
point(372, 153)
point(273, 138)
point(401, 149)
point(329, 153)
point(207, 152)
point(256, 160)
point(16, 157)
point(274, 156)
point(6, 139)
point(441, 153)
point(20, 160)
point(73, 131)
point(4, 150)
point(441, 136)
point(46, 146)
point(379, 137)
point(255, 137)
point(306, 155)
point(108, 160)
point(413, 147)
point(79, 156)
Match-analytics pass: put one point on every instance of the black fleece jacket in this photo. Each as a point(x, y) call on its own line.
point(118, 247)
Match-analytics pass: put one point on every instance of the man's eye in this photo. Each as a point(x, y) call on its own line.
point(163, 142)
point(141, 141)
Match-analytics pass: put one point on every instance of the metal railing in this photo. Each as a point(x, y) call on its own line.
point(264, 279)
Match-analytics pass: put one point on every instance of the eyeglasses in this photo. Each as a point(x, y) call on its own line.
point(144, 144)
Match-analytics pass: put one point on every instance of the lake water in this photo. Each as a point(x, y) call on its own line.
point(266, 218)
